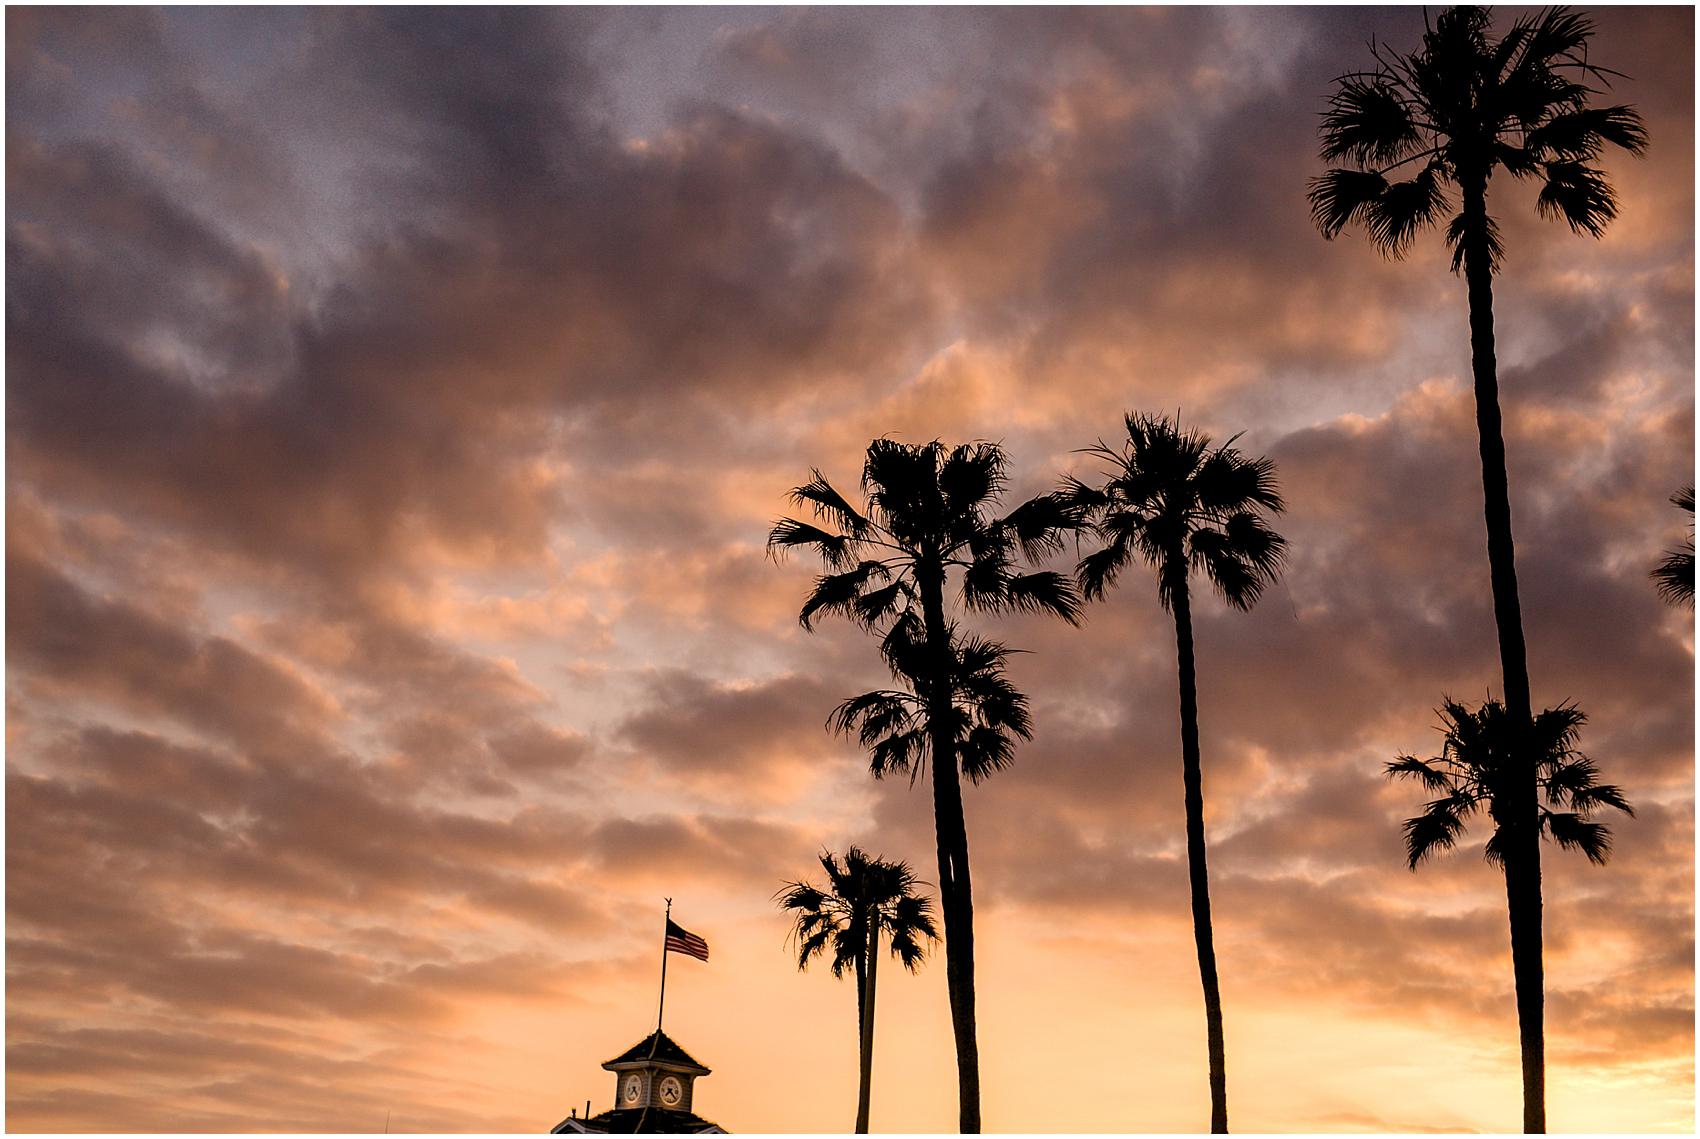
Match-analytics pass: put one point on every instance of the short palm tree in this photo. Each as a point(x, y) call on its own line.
point(1449, 115)
point(928, 518)
point(1675, 575)
point(1475, 771)
point(863, 898)
point(1177, 504)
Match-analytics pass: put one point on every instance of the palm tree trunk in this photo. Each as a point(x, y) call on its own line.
point(1196, 869)
point(862, 1034)
point(956, 899)
point(863, 1093)
point(1523, 855)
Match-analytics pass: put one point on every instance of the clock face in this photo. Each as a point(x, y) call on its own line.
point(671, 1091)
point(634, 1086)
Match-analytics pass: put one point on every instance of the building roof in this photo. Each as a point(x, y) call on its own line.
point(640, 1121)
point(657, 1046)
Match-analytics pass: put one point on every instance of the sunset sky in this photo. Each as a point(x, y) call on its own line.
point(398, 402)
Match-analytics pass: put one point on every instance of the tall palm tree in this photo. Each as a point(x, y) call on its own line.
point(1675, 575)
point(864, 896)
point(1450, 114)
point(927, 517)
point(1178, 504)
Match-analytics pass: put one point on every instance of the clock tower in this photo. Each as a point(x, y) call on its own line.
point(652, 1093)
point(654, 1073)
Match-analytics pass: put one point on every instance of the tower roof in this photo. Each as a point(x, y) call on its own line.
point(657, 1046)
point(635, 1121)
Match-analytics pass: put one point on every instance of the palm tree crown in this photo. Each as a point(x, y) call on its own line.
point(1474, 771)
point(1459, 108)
point(927, 513)
point(1675, 575)
point(861, 892)
point(986, 710)
point(1179, 504)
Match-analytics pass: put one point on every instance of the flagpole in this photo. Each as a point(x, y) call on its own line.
point(662, 1007)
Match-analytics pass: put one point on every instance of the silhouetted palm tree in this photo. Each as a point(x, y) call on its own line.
point(1178, 504)
point(1453, 112)
point(1474, 770)
point(1675, 575)
point(889, 565)
point(864, 896)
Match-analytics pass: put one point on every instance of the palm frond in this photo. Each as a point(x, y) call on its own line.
point(1228, 482)
point(984, 751)
point(902, 752)
point(1555, 731)
point(800, 896)
point(1580, 195)
point(908, 920)
point(1573, 832)
point(1000, 705)
point(1578, 136)
point(1414, 768)
point(1674, 576)
point(1457, 230)
point(839, 592)
point(1240, 560)
point(871, 715)
point(1255, 543)
point(986, 581)
point(1080, 500)
point(1100, 569)
point(1493, 851)
point(970, 477)
point(872, 608)
point(1436, 829)
point(828, 503)
point(836, 550)
point(1341, 197)
point(1552, 37)
point(904, 648)
point(1367, 122)
point(1393, 218)
point(1236, 581)
point(1044, 591)
point(1039, 524)
point(901, 483)
point(1592, 798)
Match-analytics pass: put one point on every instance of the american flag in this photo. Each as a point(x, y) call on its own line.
point(680, 940)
